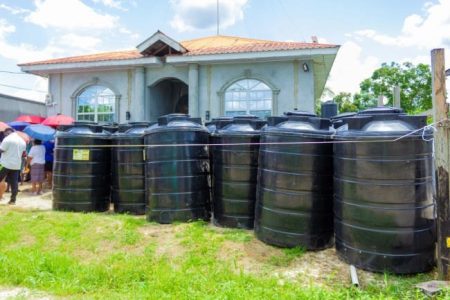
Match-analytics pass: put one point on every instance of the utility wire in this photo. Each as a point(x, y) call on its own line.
point(375, 140)
point(21, 88)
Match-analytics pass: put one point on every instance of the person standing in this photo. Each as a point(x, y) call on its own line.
point(36, 161)
point(12, 150)
point(49, 149)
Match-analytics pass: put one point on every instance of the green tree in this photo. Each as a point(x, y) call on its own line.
point(413, 80)
point(345, 102)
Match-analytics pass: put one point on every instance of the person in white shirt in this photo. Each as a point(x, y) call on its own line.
point(36, 159)
point(12, 150)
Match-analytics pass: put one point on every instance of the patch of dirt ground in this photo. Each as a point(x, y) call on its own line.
point(165, 239)
point(22, 293)
point(27, 200)
point(318, 267)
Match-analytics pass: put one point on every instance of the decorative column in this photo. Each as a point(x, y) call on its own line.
point(138, 101)
point(194, 105)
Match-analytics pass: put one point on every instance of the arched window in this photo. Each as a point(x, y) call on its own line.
point(96, 103)
point(248, 96)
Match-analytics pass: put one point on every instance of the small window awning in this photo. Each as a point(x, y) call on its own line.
point(160, 44)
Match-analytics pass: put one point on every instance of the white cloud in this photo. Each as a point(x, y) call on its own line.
point(350, 68)
point(430, 30)
point(35, 92)
point(191, 15)
point(5, 28)
point(69, 15)
point(82, 42)
point(64, 45)
point(14, 10)
point(21, 51)
point(117, 4)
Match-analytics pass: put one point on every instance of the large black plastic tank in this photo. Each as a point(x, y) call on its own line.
point(295, 183)
point(384, 210)
point(177, 174)
point(128, 165)
point(235, 169)
point(81, 172)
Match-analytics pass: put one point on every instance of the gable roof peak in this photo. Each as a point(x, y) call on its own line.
point(160, 44)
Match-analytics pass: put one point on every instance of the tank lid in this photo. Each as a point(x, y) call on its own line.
point(243, 124)
point(245, 117)
point(176, 122)
point(343, 115)
point(306, 124)
point(110, 127)
point(300, 113)
point(222, 118)
point(182, 118)
point(134, 128)
point(381, 110)
point(82, 129)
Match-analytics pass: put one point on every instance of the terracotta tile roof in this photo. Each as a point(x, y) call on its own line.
point(248, 46)
point(201, 46)
point(105, 56)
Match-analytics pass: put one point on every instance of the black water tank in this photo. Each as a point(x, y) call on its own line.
point(177, 174)
point(211, 125)
point(81, 172)
point(384, 210)
point(128, 176)
point(235, 169)
point(295, 183)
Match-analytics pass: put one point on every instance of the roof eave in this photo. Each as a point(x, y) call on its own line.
point(320, 83)
point(45, 69)
point(276, 55)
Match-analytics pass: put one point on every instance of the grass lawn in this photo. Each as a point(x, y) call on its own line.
point(124, 257)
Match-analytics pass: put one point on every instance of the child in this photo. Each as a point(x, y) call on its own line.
point(36, 159)
point(49, 149)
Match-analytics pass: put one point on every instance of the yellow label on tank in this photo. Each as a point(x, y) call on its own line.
point(80, 154)
point(448, 242)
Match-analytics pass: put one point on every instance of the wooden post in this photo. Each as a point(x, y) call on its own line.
point(380, 100)
point(442, 161)
point(397, 97)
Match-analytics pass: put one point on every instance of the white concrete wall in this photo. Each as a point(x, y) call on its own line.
point(293, 87)
point(12, 107)
point(65, 86)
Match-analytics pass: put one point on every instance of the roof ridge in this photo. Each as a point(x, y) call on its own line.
point(226, 36)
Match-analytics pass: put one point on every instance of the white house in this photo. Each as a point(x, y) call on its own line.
point(209, 77)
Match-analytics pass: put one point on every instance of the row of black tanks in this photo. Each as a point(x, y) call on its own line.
point(364, 180)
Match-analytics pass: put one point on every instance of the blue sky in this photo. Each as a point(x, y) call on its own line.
point(370, 32)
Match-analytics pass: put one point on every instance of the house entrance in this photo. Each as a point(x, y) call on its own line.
point(167, 96)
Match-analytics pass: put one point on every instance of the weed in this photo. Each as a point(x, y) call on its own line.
point(287, 256)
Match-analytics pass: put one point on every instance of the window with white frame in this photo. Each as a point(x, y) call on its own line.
point(248, 96)
point(96, 103)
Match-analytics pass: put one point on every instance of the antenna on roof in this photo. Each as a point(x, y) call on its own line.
point(218, 19)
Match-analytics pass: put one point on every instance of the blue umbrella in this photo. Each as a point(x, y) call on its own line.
point(40, 132)
point(18, 125)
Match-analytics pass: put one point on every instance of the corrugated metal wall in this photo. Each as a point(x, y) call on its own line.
point(12, 107)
